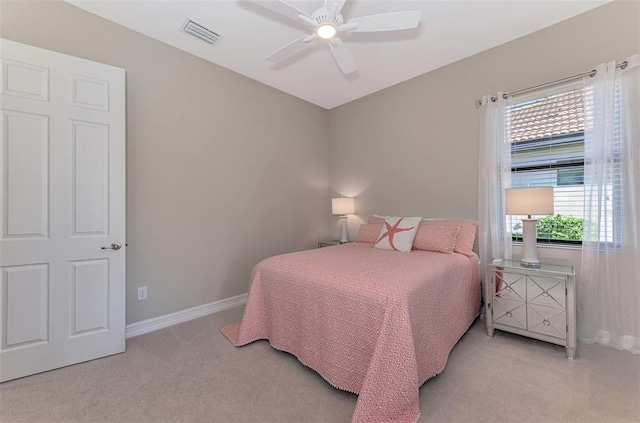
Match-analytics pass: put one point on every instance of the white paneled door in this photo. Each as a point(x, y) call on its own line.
point(62, 184)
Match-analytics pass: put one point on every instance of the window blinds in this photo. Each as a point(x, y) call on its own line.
point(547, 149)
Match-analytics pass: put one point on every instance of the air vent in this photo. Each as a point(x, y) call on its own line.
point(201, 32)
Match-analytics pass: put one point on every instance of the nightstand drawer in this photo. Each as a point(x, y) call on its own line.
point(547, 320)
point(546, 291)
point(510, 312)
point(511, 285)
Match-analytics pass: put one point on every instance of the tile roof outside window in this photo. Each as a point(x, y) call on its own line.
point(556, 115)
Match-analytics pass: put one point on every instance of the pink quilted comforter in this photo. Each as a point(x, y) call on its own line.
point(373, 322)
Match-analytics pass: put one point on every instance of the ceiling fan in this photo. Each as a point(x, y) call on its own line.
point(326, 22)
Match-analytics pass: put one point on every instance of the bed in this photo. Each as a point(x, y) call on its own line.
point(374, 322)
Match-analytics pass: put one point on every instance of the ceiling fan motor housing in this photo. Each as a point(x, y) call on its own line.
point(321, 16)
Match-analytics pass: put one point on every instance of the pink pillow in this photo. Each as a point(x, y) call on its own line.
point(369, 232)
point(466, 236)
point(376, 219)
point(439, 239)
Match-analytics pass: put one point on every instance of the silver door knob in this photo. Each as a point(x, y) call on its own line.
point(114, 246)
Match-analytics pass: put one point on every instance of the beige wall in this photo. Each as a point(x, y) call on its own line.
point(412, 149)
point(222, 171)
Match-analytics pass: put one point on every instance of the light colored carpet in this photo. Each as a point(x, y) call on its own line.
point(191, 373)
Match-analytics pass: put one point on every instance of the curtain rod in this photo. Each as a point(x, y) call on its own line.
point(591, 74)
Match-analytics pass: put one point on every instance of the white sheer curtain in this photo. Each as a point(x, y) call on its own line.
point(494, 176)
point(609, 285)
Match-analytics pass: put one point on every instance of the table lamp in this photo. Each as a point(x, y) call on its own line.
point(342, 207)
point(529, 201)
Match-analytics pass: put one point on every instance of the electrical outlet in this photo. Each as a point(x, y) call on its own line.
point(142, 293)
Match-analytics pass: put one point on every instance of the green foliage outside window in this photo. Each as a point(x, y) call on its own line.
point(559, 227)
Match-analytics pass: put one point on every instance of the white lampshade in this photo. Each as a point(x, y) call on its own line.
point(342, 206)
point(529, 200)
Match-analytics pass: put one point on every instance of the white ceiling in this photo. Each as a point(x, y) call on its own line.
point(448, 31)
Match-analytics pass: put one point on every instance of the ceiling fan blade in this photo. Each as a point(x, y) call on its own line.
point(289, 50)
point(343, 56)
point(281, 7)
point(333, 8)
point(391, 21)
point(340, 4)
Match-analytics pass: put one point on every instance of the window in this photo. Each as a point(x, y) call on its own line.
point(547, 149)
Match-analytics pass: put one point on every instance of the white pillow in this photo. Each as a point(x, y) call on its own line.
point(398, 233)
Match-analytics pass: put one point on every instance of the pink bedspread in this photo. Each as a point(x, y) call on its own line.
point(373, 322)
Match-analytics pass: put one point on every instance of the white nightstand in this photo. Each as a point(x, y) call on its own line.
point(539, 303)
point(330, 243)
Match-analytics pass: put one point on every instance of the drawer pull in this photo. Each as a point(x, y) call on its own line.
point(508, 314)
point(545, 293)
point(546, 322)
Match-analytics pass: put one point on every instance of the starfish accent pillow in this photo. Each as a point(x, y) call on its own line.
point(397, 233)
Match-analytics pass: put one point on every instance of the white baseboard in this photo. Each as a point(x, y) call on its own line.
point(149, 325)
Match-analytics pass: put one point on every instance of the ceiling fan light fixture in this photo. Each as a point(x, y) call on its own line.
point(326, 31)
